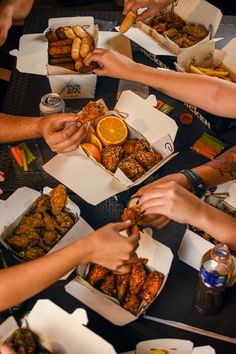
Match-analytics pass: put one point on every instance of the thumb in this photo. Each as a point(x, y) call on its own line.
point(145, 14)
point(123, 225)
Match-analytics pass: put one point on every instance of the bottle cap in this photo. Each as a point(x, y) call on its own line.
point(186, 118)
point(220, 253)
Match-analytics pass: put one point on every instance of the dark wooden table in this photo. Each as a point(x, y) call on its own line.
point(175, 301)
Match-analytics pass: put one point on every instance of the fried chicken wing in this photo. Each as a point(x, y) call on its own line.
point(133, 213)
point(64, 222)
point(51, 237)
point(132, 303)
point(122, 283)
point(91, 112)
point(111, 156)
point(58, 198)
point(32, 221)
point(135, 145)
point(96, 274)
point(131, 168)
point(42, 204)
point(109, 285)
point(152, 285)
point(147, 159)
point(138, 276)
point(32, 253)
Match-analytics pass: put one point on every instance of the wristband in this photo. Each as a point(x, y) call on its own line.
point(197, 185)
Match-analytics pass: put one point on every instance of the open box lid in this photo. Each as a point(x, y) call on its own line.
point(78, 171)
point(229, 55)
point(60, 331)
point(196, 11)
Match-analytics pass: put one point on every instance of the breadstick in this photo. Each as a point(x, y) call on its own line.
point(75, 49)
point(60, 60)
point(69, 32)
point(128, 21)
point(61, 50)
point(60, 43)
point(51, 35)
point(78, 64)
point(79, 31)
point(60, 32)
point(85, 47)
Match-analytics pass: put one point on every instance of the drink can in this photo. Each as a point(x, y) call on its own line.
point(51, 103)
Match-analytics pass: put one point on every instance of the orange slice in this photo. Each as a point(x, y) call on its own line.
point(112, 130)
point(94, 140)
point(90, 131)
point(92, 150)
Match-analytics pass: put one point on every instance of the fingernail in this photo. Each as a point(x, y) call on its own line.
point(78, 124)
point(86, 125)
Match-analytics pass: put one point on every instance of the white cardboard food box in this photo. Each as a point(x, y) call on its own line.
point(206, 55)
point(32, 58)
point(172, 345)
point(194, 11)
point(159, 258)
point(14, 207)
point(79, 172)
point(60, 331)
point(193, 246)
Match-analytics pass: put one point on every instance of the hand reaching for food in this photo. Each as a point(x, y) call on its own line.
point(152, 7)
point(5, 349)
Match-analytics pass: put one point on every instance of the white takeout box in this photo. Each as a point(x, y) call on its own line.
point(159, 258)
point(12, 209)
point(32, 58)
point(194, 11)
point(205, 55)
point(60, 331)
point(193, 246)
point(89, 179)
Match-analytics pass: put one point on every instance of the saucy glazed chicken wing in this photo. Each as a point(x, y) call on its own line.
point(96, 274)
point(137, 276)
point(151, 286)
point(111, 156)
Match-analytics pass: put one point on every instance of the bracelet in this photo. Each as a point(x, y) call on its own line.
point(197, 185)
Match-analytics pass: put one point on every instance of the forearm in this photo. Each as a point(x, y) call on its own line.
point(219, 170)
point(18, 9)
point(25, 280)
point(211, 94)
point(217, 223)
point(15, 128)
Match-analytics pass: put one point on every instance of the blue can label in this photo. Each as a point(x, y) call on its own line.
point(213, 280)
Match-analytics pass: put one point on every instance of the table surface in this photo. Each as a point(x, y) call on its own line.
point(175, 301)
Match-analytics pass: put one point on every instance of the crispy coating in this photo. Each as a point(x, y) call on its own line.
point(90, 112)
point(131, 168)
point(32, 253)
point(135, 145)
point(152, 285)
point(109, 285)
point(64, 222)
point(138, 276)
point(33, 221)
point(49, 222)
point(58, 198)
point(184, 34)
point(132, 303)
point(147, 159)
point(51, 237)
point(42, 204)
point(111, 156)
point(96, 274)
point(122, 283)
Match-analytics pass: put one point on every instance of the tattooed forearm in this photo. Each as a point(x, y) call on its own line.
point(225, 163)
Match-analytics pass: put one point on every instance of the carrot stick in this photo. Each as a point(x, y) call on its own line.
point(16, 156)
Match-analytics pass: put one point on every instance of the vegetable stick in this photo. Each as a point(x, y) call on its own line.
point(16, 156)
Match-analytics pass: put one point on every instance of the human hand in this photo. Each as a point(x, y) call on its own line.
point(2, 178)
point(111, 63)
point(6, 19)
point(59, 136)
point(5, 349)
point(152, 7)
point(112, 250)
point(173, 201)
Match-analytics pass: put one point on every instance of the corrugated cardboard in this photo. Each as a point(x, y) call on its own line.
point(159, 257)
point(78, 171)
point(60, 331)
point(32, 58)
point(194, 11)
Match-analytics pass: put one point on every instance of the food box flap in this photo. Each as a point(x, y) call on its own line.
point(196, 11)
point(159, 257)
point(60, 331)
point(145, 118)
point(229, 55)
point(173, 346)
point(86, 21)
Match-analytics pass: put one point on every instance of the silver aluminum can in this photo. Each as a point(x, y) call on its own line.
point(51, 103)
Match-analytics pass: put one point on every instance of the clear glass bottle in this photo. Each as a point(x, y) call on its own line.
point(216, 269)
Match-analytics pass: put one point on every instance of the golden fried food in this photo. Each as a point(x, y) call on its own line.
point(138, 276)
point(33, 221)
point(122, 283)
point(43, 204)
point(147, 159)
point(183, 33)
point(111, 156)
point(32, 253)
point(128, 21)
point(51, 237)
point(132, 303)
point(151, 286)
point(97, 273)
point(135, 145)
point(109, 285)
point(131, 168)
point(64, 222)
point(49, 222)
point(90, 112)
point(133, 213)
point(58, 198)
